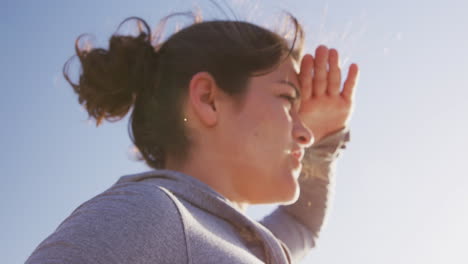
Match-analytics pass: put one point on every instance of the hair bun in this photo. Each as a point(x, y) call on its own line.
point(132, 55)
point(110, 80)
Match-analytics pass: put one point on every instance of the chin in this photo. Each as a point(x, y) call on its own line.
point(290, 194)
point(291, 198)
point(282, 188)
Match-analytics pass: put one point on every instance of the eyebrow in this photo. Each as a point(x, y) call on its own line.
point(298, 94)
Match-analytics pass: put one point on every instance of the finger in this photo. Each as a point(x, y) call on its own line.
point(319, 85)
point(305, 76)
point(334, 73)
point(351, 81)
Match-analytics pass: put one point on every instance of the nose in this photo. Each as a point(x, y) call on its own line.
point(302, 134)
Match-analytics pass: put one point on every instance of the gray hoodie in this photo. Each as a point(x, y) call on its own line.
point(164, 216)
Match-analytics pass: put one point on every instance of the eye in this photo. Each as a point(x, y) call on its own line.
point(290, 98)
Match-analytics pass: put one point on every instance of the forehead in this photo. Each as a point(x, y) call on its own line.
point(287, 70)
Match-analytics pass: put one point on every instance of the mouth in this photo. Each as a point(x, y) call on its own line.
point(297, 161)
point(297, 164)
point(298, 154)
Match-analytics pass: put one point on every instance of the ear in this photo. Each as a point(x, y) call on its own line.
point(202, 93)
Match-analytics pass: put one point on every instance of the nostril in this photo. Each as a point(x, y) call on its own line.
point(303, 134)
point(304, 140)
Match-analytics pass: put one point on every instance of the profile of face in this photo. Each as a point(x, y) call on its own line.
point(249, 152)
point(262, 144)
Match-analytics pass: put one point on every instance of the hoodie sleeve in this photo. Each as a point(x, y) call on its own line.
point(129, 223)
point(298, 225)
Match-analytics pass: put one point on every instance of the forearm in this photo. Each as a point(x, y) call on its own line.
point(316, 181)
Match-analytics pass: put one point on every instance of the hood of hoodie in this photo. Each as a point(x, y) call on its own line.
point(206, 198)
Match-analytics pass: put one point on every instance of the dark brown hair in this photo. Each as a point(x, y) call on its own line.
point(153, 77)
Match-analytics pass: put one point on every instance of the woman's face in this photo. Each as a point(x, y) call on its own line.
point(262, 136)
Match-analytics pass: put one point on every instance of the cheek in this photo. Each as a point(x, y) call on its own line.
point(275, 122)
point(264, 137)
point(270, 133)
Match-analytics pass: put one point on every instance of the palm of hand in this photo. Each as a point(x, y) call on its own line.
point(325, 107)
point(325, 115)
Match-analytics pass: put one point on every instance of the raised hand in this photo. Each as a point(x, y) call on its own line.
point(325, 107)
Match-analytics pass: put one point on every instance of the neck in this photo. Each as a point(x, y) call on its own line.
point(210, 171)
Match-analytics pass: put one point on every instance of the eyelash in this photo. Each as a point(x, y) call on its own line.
point(289, 98)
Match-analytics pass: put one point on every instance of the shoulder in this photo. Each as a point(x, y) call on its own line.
point(131, 222)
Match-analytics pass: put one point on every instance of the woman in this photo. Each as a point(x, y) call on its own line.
point(223, 112)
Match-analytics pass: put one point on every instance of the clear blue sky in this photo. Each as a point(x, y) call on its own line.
point(401, 191)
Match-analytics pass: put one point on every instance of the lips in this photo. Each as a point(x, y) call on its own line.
point(296, 157)
point(298, 154)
